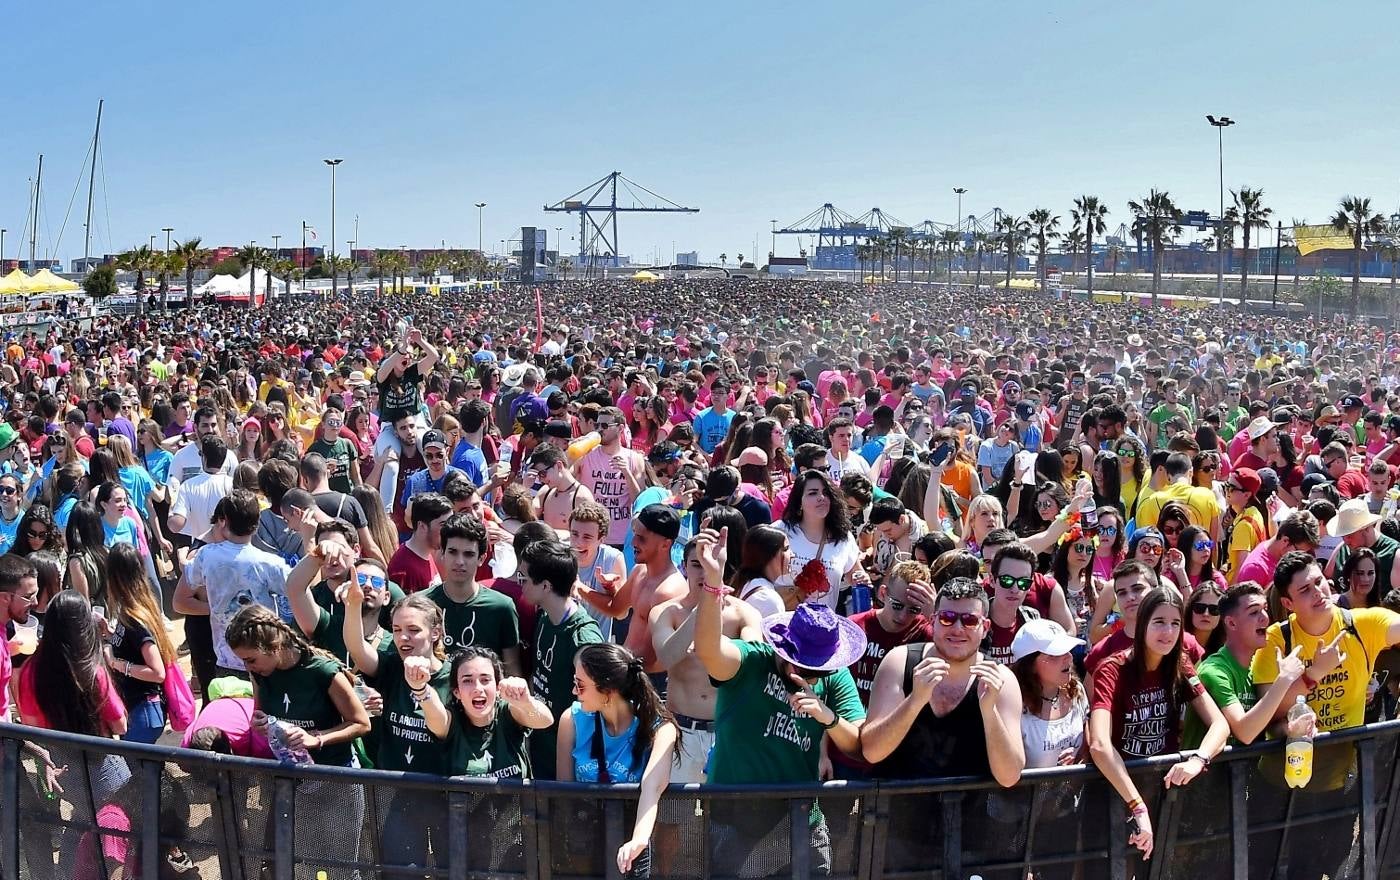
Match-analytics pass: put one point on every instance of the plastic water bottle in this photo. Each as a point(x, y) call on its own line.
point(1298, 753)
point(277, 742)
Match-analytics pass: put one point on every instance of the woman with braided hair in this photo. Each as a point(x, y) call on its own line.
point(619, 730)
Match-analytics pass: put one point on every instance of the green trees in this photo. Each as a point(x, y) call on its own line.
point(192, 257)
point(1356, 218)
point(101, 282)
point(1014, 232)
point(1158, 217)
point(1250, 214)
point(252, 256)
point(1044, 227)
point(1089, 212)
point(140, 260)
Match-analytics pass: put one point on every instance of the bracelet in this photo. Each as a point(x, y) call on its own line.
point(1134, 805)
point(835, 719)
point(1140, 810)
point(1202, 756)
point(1308, 681)
point(420, 694)
point(720, 591)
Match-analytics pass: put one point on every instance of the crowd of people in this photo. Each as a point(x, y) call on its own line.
point(747, 533)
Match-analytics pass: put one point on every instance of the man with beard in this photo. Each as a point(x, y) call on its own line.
point(315, 584)
point(614, 475)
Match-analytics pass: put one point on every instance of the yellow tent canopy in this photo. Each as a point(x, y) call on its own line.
point(644, 275)
point(45, 281)
point(15, 283)
point(1018, 284)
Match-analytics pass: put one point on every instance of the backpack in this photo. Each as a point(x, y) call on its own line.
point(1348, 626)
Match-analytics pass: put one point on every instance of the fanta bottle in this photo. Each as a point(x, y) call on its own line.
point(1298, 753)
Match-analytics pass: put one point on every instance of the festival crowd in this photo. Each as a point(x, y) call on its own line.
point(745, 533)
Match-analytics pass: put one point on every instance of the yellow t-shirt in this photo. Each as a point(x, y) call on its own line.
point(1201, 504)
point(1246, 534)
point(1339, 698)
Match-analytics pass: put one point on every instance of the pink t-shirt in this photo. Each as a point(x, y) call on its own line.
point(111, 711)
point(6, 670)
point(609, 486)
point(234, 716)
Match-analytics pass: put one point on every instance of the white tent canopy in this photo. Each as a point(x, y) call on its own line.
point(221, 285)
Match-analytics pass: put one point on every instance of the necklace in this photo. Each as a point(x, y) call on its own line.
point(1053, 700)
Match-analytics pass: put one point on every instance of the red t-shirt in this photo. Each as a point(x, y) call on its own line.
point(878, 644)
point(1119, 640)
point(111, 711)
point(1352, 484)
point(997, 647)
point(410, 571)
point(1038, 597)
point(1146, 719)
point(1250, 460)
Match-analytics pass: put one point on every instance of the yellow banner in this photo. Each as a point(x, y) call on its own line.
point(1320, 238)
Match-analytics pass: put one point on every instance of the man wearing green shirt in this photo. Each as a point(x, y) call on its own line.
point(1244, 614)
point(776, 699)
point(548, 570)
point(1163, 412)
point(472, 614)
point(316, 580)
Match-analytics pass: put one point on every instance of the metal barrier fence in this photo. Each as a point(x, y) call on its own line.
point(221, 818)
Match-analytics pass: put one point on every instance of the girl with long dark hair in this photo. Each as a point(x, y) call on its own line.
point(1073, 569)
point(619, 730)
point(1359, 581)
point(87, 553)
point(818, 528)
point(1193, 564)
point(1136, 708)
point(763, 578)
point(486, 722)
point(65, 685)
point(1108, 481)
point(1203, 614)
point(1109, 549)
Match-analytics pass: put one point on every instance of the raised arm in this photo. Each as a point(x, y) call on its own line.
point(720, 656)
point(364, 658)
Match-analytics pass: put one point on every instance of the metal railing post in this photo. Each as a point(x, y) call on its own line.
point(1390, 831)
point(9, 808)
point(1164, 841)
point(1239, 820)
point(225, 808)
point(457, 833)
point(1117, 836)
point(612, 837)
point(1366, 790)
point(283, 839)
point(800, 837)
point(951, 803)
point(871, 820)
point(151, 854)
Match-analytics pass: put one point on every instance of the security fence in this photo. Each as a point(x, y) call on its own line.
point(161, 813)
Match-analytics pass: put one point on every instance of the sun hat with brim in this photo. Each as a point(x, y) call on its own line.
point(1042, 636)
point(356, 379)
point(814, 637)
point(1353, 516)
point(1260, 426)
point(513, 375)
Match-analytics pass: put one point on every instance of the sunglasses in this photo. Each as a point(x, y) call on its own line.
point(1208, 469)
point(1045, 504)
point(1108, 531)
point(1150, 549)
point(8, 490)
point(373, 581)
point(1127, 452)
point(966, 618)
point(1081, 547)
point(809, 674)
point(1231, 487)
point(38, 536)
point(603, 426)
point(1204, 544)
point(1009, 582)
point(901, 607)
point(330, 423)
point(1212, 609)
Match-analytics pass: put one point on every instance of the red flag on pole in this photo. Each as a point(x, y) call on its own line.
point(539, 320)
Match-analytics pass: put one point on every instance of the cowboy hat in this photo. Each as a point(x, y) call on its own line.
point(814, 637)
point(1353, 516)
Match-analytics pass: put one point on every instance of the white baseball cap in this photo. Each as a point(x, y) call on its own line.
point(1044, 637)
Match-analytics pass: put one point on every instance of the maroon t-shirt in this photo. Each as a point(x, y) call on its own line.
point(1146, 718)
point(1119, 640)
point(997, 646)
point(1249, 460)
point(1038, 597)
point(410, 571)
point(878, 644)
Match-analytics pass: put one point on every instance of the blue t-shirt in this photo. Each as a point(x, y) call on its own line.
point(138, 485)
point(123, 532)
point(617, 750)
point(65, 507)
point(711, 428)
point(8, 532)
point(873, 447)
point(422, 481)
point(158, 465)
point(471, 461)
point(990, 455)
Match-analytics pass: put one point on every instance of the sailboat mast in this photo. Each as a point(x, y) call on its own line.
point(34, 230)
point(92, 177)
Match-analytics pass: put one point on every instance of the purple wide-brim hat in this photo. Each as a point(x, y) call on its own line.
point(814, 637)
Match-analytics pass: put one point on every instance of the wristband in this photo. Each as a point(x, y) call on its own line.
point(1134, 805)
point(1139, 810)
point(1308, 681)
point(835, 719)
point(720, 591)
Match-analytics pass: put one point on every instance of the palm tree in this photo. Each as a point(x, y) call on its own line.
point(723, 260)
point(1091, 213)
point(383, 262)
point(1250, 214)
point(1158, 217)
point(429, 266)
point(981, 242)
point(951, 241)
point(252, 256)
point(1114, 254)
point(285, 268)
point(139, 260)
point(897, 238)
point(192, 257)
point(564, 265)
point(1014, 232)
point(1044, 226)
point(1356, 219)
point(1072, 243)
point(1390, 249)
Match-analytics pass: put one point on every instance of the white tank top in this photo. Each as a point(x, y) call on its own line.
point(1044, 740)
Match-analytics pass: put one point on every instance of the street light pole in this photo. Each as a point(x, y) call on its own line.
point(333, 163)
point(2, 250)
point(773, 249)
point(479, 249)
point(1220, 125)
point(167, 230)
point(959, 190)
point(152, 245)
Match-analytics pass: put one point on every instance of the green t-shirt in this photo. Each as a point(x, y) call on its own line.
point(338, 456)
point(1228, 684)
point(553, 677)
point(301, 696)
point(1385, 558)
point(496, 750)
point(407, 745)
point(758, 738)
point(1163, 413)
point(330, 625)
point(487, 620)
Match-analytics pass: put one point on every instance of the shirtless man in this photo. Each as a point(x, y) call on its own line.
point(653, 581)
point(561, 492)
point(689, 693)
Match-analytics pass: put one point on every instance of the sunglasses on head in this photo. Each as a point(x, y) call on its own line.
point(1212, 609)
point(1010, 582)
point(966, 618)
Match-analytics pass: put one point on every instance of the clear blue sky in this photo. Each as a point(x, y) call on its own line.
point(217, 116)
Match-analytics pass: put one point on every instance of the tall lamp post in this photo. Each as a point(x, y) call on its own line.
point(333, 163)
point(2, 250)
point(959, 190)
point(480, 251)
point(1220, 124)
